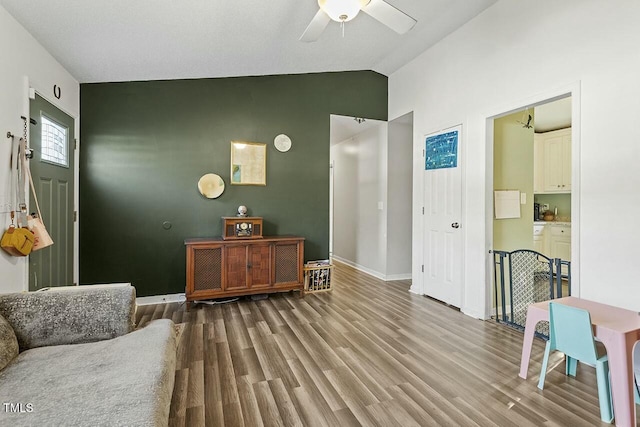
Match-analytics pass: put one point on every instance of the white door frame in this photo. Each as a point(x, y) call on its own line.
point(574, 91)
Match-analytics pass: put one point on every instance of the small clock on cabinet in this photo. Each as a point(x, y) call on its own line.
point(241, 227)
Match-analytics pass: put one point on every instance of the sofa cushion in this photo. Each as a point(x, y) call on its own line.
point(69, 314)
point(8, 343)
point(125, 381)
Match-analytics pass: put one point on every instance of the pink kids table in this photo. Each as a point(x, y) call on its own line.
point(618, 329)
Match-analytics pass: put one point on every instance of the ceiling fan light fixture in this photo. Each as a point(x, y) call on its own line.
point(342, 10)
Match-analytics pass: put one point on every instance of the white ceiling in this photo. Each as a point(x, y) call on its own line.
point(553, 115)
point(122, 40)
point(345, 127)
point(549, 116)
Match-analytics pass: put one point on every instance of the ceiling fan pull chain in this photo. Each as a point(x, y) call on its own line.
point(342, 26)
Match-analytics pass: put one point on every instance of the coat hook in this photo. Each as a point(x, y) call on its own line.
point(9, 135)
point(32, 121)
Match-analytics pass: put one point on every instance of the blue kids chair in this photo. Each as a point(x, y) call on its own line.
point(570, 332)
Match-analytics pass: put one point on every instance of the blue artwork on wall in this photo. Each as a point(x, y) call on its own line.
point(441, 151)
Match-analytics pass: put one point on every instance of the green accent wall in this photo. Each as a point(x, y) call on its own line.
point(513, 170)
point(144, 145)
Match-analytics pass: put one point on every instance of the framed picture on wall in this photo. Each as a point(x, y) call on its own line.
point(248, 163)
point(441, 149)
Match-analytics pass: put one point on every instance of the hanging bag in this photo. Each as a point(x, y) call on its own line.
point(42, 239)
point(17, 240)
point(34, 221)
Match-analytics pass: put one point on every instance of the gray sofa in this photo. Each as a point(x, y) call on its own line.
point(80, 361)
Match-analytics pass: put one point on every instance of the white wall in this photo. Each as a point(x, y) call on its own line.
point(25, 63)
point(399, 199)
point(509, 56)
point(359, 183)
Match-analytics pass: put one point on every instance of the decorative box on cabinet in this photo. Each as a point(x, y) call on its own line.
point(219, 268)
point(248, 227)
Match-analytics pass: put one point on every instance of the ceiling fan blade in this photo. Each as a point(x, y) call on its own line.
point(315, 27)
point(390, 16)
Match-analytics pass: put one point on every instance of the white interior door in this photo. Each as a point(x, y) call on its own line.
point(442, 217)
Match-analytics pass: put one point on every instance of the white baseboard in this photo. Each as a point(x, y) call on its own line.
point(491, 312)
point(359, 267)
point(405, 276)
point(414, 290)
point(373, 273)
point(161, 299)
point(476, 314)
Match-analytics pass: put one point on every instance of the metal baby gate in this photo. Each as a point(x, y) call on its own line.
point(524, 277)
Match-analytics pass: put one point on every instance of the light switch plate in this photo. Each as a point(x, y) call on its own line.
point(380, 206)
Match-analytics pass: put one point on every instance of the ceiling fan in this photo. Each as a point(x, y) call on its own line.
point(345, 10)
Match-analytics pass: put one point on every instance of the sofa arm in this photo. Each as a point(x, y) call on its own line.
point(70, 315)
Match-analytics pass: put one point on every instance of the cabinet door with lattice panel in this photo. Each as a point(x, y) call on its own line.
point(287, 259)
point(206, 267)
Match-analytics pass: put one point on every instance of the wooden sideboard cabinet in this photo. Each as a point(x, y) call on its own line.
point(219, 268)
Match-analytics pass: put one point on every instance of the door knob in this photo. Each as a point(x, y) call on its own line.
point(455, 225)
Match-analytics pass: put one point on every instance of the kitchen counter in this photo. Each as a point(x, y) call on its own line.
point(565, 223)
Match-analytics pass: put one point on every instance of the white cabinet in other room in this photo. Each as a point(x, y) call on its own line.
point(556, 164)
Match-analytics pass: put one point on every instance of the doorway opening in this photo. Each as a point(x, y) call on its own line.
point(370, 199)
point(532, 200)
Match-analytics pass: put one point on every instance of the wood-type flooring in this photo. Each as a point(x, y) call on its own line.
point(367, 353)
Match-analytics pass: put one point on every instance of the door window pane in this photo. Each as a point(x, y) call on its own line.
point(54, 142)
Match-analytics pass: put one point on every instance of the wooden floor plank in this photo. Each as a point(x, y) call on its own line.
point(267, 404)
point(195, 388)
point(179, 397)
point(368, 353)
point(288, 413)
point(195, 416)
point(249, 403)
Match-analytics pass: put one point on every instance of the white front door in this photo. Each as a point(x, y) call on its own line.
point(442, 217)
